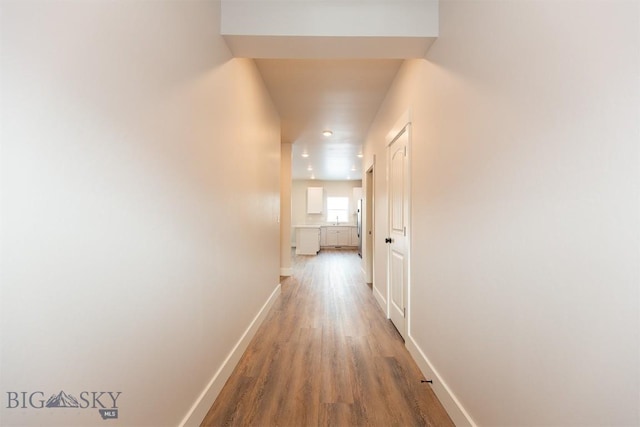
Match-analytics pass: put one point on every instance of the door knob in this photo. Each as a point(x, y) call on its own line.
point(388, 240)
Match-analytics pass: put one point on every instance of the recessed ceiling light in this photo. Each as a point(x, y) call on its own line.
point(360, 155)
point(327, 133)
point(353, 168)
point(305, 155)
point(313, 177)
point(309, 168)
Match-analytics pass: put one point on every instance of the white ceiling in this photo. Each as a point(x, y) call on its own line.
point(313, 95)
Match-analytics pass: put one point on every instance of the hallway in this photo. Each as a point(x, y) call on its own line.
point(150, 152)
point(326, 356)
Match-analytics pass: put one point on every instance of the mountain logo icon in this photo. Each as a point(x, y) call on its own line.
point(62, 400)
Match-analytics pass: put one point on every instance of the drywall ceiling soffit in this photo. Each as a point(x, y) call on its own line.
point(325, 18)
point(298, 47)
point(329, 29)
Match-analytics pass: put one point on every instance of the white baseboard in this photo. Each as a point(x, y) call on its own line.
point(382, 301)
point(204, 402)
point(451, 404)
point(285, 272)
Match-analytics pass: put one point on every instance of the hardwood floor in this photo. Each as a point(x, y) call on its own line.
point(326, 356)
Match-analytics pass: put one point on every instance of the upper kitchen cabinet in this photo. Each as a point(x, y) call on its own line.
point(315, 196)
point(357, 193)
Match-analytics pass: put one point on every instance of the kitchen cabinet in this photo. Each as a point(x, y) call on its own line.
point(338, 236)
point(344, 236)
point(357, 193)
point(332, 236)
point(307, 240)
point(315, 199)
point(355, 239)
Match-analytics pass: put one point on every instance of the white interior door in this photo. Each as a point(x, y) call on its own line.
point(398, 271)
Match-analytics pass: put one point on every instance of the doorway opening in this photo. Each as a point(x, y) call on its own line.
point(368, 226)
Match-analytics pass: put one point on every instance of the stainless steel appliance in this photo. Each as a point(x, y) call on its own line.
point(359, 225)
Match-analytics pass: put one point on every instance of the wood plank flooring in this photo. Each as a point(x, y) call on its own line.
point(326, 356)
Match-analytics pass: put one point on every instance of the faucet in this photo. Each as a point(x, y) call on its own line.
point(337, 220)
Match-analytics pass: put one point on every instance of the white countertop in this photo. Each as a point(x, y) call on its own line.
point(323, 225)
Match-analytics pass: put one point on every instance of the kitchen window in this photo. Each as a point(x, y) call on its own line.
point(337, 209)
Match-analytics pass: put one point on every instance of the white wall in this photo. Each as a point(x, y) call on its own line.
point(299, 214)
point(140, 173)
point(525, 207)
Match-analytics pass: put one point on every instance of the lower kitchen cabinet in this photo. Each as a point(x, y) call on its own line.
point(338, 236)
point(307, 240)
